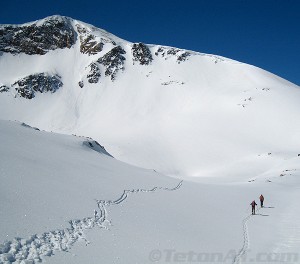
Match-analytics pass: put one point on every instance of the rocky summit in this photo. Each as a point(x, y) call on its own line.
point(54, 33)
point(108, 54)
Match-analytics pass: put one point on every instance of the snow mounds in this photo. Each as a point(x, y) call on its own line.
point(33, 249)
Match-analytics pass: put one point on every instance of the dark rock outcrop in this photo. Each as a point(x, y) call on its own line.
point(113, 61)
point(181, 55)
point(88, 42)
point(94, 73)
point(4, 88)
point(38, 38)
point(141, 53)
point(41, 82)
point(81, 84)
point(28, 126)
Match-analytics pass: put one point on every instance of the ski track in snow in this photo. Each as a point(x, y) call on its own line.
point(246, 243)
point(31, 250)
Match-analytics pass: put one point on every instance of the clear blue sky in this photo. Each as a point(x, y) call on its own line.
point(265, 33)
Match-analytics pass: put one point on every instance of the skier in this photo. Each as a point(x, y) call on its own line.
point(253, 204)
point(261, 198)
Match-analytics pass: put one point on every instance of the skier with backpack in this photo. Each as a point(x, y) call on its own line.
point(261, 198)
point(253, 204)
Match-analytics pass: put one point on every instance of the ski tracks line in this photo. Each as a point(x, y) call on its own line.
point(31, 250)
point(246, 241)
point(125, 194)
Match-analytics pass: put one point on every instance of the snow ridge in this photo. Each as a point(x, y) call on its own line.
point(32, 250)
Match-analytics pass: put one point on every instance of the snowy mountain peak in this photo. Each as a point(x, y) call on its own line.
point(108, 54)
point(38, 37)
point(51, 33)
point(178, 111)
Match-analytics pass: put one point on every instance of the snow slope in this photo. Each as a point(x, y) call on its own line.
point(200, 117)
point(64, 202)
point(229, 129)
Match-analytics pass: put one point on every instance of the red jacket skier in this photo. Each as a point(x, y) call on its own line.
point(261, 198)
point(253, 204)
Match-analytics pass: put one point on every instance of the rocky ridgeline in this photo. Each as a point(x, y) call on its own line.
point(91, 41)
point(53, 33)
point(141, 53)
point(113, 62)
point(41, 82)
point(166, 53)
point(58, 32)
point(88, 42)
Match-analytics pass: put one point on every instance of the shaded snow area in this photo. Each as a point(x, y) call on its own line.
point(63, 202)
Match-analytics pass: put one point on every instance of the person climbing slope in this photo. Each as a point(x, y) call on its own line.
point(253, 204)
point(261, 198)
